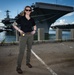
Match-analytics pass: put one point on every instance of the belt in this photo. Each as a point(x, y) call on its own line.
point(28, 33)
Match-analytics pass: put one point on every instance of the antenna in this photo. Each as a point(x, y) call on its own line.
point(7, 14)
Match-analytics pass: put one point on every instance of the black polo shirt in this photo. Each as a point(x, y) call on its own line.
point(25, 24)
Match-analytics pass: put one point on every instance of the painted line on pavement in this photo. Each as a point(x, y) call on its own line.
point(48, 68)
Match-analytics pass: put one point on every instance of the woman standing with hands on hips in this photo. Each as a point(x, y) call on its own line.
point(27, 30)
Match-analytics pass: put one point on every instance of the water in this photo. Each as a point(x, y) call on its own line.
point(10, 37)
point(7, 36)
point(65, 35)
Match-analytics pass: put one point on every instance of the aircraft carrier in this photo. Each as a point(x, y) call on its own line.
point(44, 14)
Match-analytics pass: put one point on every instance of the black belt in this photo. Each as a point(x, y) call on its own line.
point(28, 33)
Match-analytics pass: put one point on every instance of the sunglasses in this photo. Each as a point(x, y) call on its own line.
point(27, 10)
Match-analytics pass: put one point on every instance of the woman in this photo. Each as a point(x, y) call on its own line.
point(27, 30)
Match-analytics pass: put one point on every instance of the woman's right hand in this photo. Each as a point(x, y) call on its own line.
point(22, 33)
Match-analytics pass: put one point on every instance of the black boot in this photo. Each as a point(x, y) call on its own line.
point(19, 70)
point(29, 65)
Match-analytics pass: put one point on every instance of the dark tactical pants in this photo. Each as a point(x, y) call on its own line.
point(25, 40)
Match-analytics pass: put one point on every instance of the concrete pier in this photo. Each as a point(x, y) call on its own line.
point(40, 34)
point(72, 34)
point(58, 57)
point(58, 34)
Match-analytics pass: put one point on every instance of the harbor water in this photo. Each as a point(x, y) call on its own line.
point(10, 36)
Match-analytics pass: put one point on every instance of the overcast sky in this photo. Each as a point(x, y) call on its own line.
point(16, 6)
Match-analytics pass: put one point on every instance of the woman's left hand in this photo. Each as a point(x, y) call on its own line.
point(33, 32)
